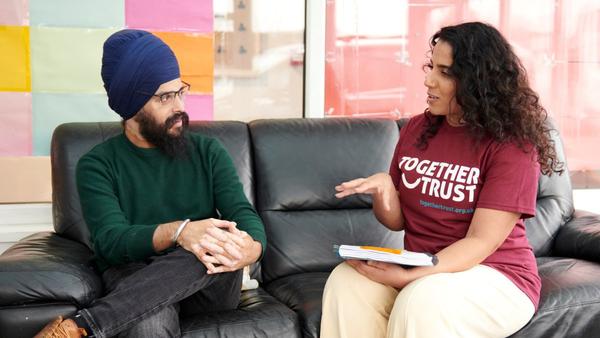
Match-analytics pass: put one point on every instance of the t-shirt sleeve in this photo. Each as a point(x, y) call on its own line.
point(394, 168)
point(510, 181)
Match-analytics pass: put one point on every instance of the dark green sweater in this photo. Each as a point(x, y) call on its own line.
point(127, 191)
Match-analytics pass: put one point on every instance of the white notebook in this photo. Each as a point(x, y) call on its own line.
point(389, 255)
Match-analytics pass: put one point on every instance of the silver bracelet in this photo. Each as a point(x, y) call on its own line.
point(179, 230)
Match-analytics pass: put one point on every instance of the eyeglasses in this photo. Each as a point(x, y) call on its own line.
point(168, 97)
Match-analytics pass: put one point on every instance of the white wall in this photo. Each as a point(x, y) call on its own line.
point(21, 220)
point(587, 199)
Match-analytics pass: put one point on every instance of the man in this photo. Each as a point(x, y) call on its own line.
point(151, 197)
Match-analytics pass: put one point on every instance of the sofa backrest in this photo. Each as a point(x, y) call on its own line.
point(70, 141)
point(554, 205)
point(298, 162)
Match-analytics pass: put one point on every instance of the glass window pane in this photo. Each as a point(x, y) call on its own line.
point(259, 59)
point(374, 56)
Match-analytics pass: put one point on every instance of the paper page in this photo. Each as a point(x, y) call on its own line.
point(390, 255)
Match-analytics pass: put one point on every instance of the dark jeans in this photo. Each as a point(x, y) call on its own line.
point(144, 299)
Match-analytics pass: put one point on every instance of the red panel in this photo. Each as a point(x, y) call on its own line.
point(557, 41)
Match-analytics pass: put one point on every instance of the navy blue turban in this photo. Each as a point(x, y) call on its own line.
point(134, 64)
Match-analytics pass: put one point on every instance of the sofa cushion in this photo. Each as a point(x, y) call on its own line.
point(298, 162)
point(70, 141)
point(580, 237)
point(259, 315)
point(46, 267)
point(302, 241)
point(570, 302)
point(569, 305)
point(303, 293)
point(554, 206)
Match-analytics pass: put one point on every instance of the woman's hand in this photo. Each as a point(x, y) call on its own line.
point(379, 185)
point(389, 274)
point(386, 204)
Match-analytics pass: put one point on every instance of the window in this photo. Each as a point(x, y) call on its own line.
point(374, 56)
point(259, 59)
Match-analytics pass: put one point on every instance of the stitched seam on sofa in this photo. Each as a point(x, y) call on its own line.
point(568, 306)
point(31, 305)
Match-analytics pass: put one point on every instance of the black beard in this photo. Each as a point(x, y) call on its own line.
point(174, 146)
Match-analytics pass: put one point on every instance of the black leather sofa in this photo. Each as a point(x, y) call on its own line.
point(288, 169)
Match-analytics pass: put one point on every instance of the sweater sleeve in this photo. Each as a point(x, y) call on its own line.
point(229, 196)
point(115, 240)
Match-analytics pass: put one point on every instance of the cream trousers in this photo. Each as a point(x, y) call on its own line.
point(479, 302)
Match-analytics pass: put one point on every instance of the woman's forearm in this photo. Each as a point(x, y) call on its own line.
point(392, 218)
point(459, 256)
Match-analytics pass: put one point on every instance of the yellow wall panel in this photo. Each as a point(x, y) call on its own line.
point(14, 60)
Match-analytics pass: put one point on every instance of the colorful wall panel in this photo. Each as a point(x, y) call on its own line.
point(51, 57)
point(15, 123)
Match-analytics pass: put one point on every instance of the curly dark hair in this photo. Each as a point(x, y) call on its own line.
point(493, 92)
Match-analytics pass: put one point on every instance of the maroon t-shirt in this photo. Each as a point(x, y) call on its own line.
point(440, 188)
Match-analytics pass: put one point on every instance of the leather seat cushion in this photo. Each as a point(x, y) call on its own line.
point(259, 315)
point(46, 267)
point(570, 303)
point(303, 293)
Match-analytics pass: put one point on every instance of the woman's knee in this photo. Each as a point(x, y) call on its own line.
point(343, 281)
point(422, 301)
point(348, 286)
point(450, 305)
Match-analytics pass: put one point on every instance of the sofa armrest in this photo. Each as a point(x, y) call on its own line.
point(580, 237)
point(46, 267)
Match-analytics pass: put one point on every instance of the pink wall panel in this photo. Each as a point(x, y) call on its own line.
point(15, 124)
point(14, 12)
point(199, 107)
point(170, 15)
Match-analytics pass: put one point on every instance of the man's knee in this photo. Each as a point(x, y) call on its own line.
point(229, 289)
point(164, 323)
point(181, 261)
point(223, 293)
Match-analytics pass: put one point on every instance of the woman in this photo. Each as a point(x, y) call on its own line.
point(462, 180)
